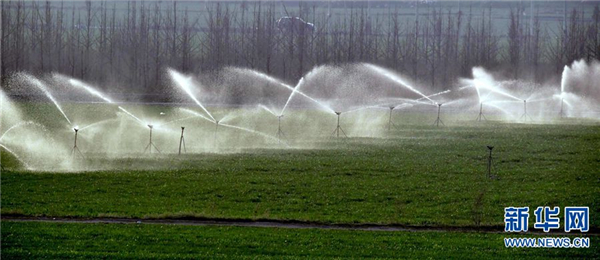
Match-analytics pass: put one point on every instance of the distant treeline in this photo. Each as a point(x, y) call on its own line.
point(131, 46)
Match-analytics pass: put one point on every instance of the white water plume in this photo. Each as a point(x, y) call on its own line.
point(21, 124)
point(267, 109)
point(390, 75)
point(86, 87)
point(17, 157)
point(292, 95)
point(279, 83)
point(251, 131)
point(36, 82)
point(186, 84)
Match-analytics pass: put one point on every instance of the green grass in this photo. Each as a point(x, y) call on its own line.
point(422, 176)
point(130, 241)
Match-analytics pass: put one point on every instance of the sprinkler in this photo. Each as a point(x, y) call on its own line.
point(280, 133)
point(182, 141)
point(338, 128)
point(525, 115)
point(75, 148)
point(562, 101)
point(439, 120)
point(390, 123)
point(489, 168)
point(150, 144)
point(481, 116)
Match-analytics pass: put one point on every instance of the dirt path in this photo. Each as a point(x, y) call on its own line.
point(275, 224)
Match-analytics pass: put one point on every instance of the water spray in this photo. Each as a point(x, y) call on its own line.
point(481, 115)
point(280, 133)
point(182, 141)
point(151, 144)
point(439, 120)
point(75, 148)
point(338, 128)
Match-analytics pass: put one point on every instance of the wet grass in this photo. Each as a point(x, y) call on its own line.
point(131, 241)
point(420, 176)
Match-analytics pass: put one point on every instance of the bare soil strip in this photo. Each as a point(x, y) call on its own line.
point(277, 224)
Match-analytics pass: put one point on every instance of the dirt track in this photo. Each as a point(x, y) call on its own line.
point(276, 224)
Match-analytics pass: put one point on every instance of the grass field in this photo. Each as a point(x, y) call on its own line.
point(418, 175)
point(436, 178)
point(71, 241)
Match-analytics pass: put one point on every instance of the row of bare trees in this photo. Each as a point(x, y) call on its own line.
point(129, 44)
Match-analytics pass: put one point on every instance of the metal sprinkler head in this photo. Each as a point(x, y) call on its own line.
point(490, 147)
point(150, 126)
point(338, 113)
point(439, 104)
point(392, 107)
point(280, 116)
point(75, 129)
point(217, 122)
point(183, 127)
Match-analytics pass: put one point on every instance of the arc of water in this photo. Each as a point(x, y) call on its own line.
point(504, 101)
point(538, 100)
point(564, 78)
point(16, 156)
point(396, 79)
point(327, 108)
point(279, 83)
point(267, 109)
point(185, 83)
point(93, 91)
point(472, 85)
point(197, 114)
point(300, 82)
point(177, 120)
point(227, 118)
point(251, 131)
point(496, 90)
point(88, 88)
point(36, 82)
point(79, 84)
point(415, 101)
point(97, 123)
point(434, 95)
point(21, 124)
point(362, 108)
point(131, 115)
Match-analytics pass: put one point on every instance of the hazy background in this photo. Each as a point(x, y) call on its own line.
point(124, 46)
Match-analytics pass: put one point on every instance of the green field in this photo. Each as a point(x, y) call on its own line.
point(436, 178)
point(69, 241)
point(417, 175)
